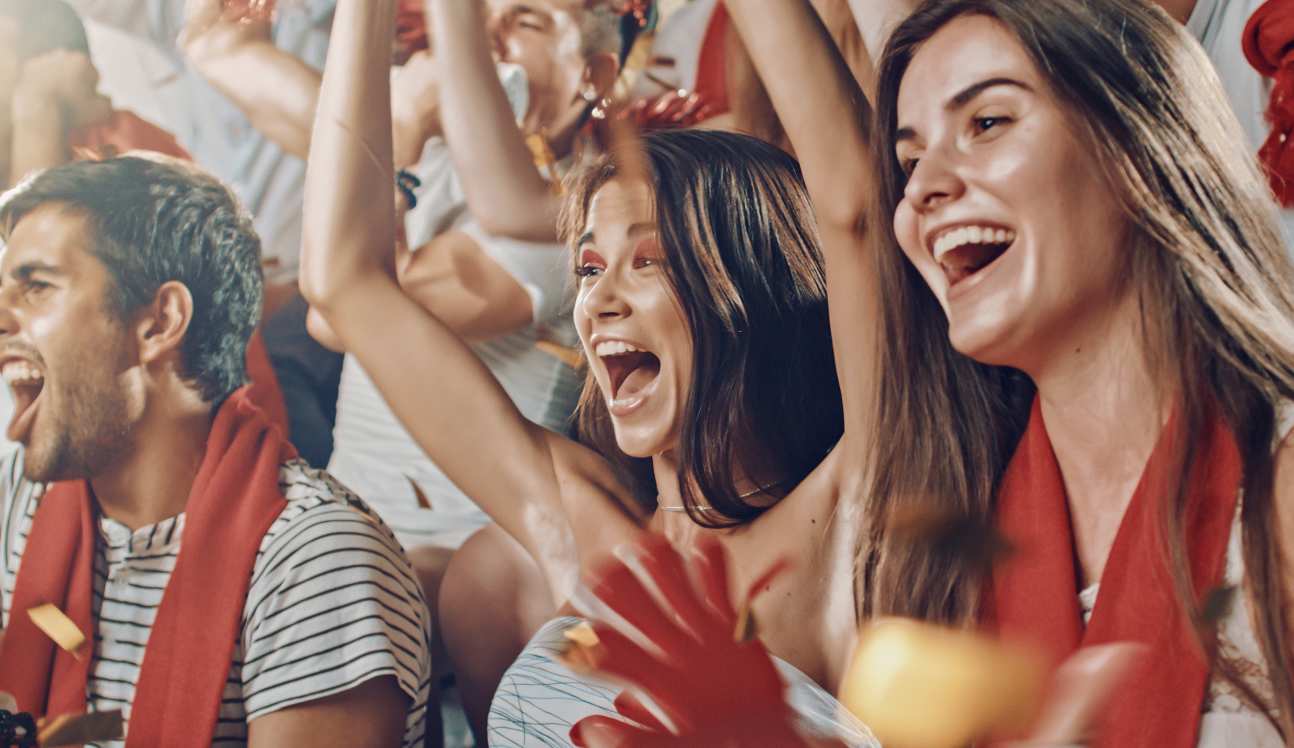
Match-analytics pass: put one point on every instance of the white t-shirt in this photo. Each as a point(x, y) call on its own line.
point(1219, 26)
point(332, 603)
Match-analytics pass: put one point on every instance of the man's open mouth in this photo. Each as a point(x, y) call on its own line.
point(26, 381)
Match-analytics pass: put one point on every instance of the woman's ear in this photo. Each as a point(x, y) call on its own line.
point(161, 326)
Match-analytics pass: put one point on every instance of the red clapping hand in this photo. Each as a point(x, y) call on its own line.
point(710, 683)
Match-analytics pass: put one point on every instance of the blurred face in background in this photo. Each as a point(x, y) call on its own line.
point(546, 39)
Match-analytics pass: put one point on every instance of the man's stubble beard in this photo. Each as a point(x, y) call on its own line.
point(87, 425)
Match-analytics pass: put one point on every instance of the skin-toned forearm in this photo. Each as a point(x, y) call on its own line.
point(39, 139)
point(436, 385)
point(278, 92)
point(349, 233)
point(789, 45)
point(828, 126)
point(318, 328)
point(504, 190)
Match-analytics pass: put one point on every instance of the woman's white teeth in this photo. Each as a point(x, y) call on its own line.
point(21, 372)
point(964, 235)
point(615, 348)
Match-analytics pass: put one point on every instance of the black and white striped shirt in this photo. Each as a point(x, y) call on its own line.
point(333, 602)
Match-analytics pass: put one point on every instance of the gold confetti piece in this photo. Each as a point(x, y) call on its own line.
point(569, 356)
point(903, 672)
point(581, 653)
point(78, 729)
point(581, 634)
point(56, 625)
point(423, 501)
point(746, 629)
point(544, 158)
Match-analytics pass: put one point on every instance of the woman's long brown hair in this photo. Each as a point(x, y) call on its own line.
point(1206, 261)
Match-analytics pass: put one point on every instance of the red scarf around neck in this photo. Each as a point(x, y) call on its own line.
point(1033, 596)
point(234, 500)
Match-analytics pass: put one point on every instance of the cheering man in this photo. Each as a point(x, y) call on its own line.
point(228, 592)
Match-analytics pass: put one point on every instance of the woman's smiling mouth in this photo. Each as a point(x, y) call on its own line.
point(965, 250)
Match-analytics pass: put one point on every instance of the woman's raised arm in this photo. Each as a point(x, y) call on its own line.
point(440, 390)
point(507, 194)
point(827, 118)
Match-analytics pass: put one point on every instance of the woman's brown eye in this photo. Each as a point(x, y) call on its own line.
point(984, 124)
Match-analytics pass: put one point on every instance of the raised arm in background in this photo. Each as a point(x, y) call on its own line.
point(279, 93)
point(751, 111)
point(54, 96)
point(827, 124)
point(274, 89)
point(520, 473)
point(505, 190)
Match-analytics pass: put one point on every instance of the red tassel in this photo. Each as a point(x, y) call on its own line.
point(1269, 46)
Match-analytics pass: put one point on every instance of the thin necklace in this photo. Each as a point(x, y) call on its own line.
point(706, 508)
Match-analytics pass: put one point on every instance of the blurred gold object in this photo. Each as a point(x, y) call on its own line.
point(79, 729)
point(56, 625)
point(582, 653)
point(545, 160)
point(581, 634)
point(917, 685)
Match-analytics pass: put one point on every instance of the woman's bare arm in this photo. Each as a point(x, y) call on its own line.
point(442, 393)
point(505, 191)
point(827, 124)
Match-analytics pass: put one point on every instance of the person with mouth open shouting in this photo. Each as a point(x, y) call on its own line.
point(227, 591)
point(1089, 346)
point(712, 393)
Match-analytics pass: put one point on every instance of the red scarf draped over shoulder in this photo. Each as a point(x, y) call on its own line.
point(1033, 596)
point(234, 500)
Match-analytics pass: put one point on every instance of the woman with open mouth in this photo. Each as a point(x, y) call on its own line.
point(1079, 218)
point(711, 406)
point(1088, 345)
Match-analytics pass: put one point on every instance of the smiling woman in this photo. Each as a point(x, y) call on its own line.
point(702, 310)
point(1078, 218)
point(720, 256)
